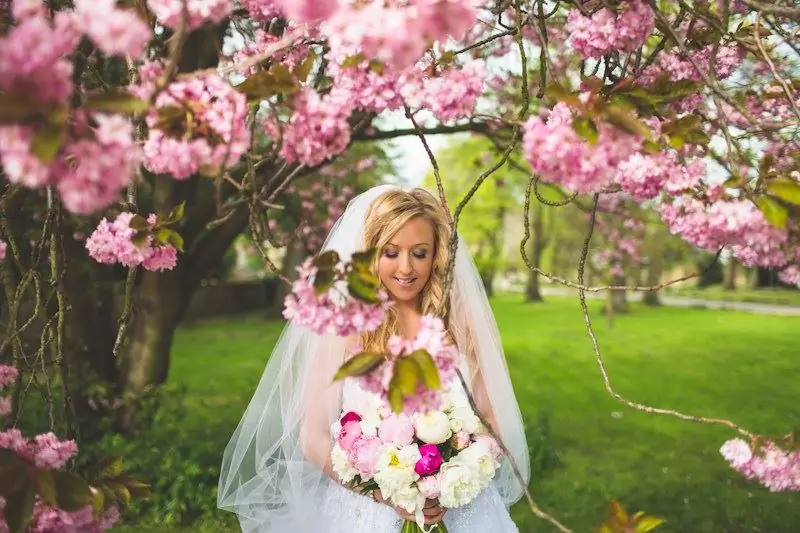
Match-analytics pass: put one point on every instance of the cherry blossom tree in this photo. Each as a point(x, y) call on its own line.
point(133, 151)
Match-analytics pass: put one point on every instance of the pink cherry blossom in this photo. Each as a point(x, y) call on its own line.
point(3, 247)
point(122, 32)
point(112, 242)
point(217, 136)
point(606, 31)
point(776, 469)
point(556, 152)
point(170, 12)
point(328, 314)
point(307, 10)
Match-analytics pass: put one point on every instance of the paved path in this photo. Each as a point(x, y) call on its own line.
point(747, 307)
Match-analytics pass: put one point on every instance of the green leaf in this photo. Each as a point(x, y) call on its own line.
point(785, 189)
point(47, 140)
point(72, 492)
point(302, 70)
point(326, 260)
point(117, 102)
point(175, 240)
point(45, 486)
point(13, 472)
point(323, 280)
point(266, 83)
point(121, 492)
point(557, 92)
point(352, 61)
point(625, 121)
point(651, 147)
point(648, 523)
point(617, 514)
point(676, 140)
point(106, 468)
point(19, 508)
point(395, 396)
point(447, 57)
point(376, 66)
point(407, 372)
point(427, 369)
point(15, 108)
point(98, 502)
point(177, 213)
point(363, 286)
point(139, 223)
point(775, 213)
point(137, 488)
point(359, 365)
point(734, 182)
point(586, 128)
point(140, 239)
point(364, 260)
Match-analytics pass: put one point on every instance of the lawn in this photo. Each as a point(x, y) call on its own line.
point(714, 363)
point(775, 296)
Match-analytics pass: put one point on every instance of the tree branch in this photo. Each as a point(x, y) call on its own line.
point(475, 127)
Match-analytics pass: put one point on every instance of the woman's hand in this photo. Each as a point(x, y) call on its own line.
point(433, 512)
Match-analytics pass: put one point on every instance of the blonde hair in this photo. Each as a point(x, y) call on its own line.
point(387, 214)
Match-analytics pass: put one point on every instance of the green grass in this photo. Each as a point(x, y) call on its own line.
point(777, 296)
point(714, 363)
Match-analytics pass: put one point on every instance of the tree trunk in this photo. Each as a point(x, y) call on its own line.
point(295, 254)
point(654, 269)
point(729, 283)
point(539, 243)
point(618, 300)
point(144, 359)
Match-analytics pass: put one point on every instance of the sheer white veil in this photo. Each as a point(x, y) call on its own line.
point(271, 474)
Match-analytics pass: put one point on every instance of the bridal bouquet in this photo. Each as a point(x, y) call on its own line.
point(441, 454)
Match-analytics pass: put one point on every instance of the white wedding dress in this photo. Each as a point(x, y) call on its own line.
point(344, 511)
point(272, 473)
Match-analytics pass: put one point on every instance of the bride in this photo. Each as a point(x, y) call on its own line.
point(276, 470)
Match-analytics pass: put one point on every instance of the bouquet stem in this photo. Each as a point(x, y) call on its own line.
point(412, 527)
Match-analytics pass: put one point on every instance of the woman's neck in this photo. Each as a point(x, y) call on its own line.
point(408, 315)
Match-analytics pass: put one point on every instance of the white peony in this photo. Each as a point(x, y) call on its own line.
point(479, 457)
point(409, 498)
point(462, 417)
point(368, 406)
point(433, 427)
point(341, 464)
point(395, 469)
point(460, 484)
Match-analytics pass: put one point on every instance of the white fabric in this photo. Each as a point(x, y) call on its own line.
point(272, 469)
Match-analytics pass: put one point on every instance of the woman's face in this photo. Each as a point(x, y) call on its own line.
point(406, 261)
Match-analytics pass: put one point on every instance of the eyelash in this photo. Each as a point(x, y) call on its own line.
point(393, 255)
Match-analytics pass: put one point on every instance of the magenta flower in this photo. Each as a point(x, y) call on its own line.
point(430, 461)
point(350, 416)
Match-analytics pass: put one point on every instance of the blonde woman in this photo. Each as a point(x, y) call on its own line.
point(276, 472)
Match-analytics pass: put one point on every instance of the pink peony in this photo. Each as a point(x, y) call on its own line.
point(365, 454)
point(430, 461)
point(460, 440)
point(430, 486)
point(397, 429)
point(348, 435)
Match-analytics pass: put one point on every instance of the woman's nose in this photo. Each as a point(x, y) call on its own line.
point(405, 264)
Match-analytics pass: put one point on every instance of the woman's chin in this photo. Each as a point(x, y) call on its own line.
point(403, 294)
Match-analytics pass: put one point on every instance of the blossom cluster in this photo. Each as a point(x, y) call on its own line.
point(407, 28)
point(606, 31)
point(3, 247)
point(442, 454)
point(112, 242)
point(557, 153)
point(214, 135)
point(97, 156)
point(46, 451)
point(170, 12)
point(776, 469)
point(432, 338)
point(327, 313)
